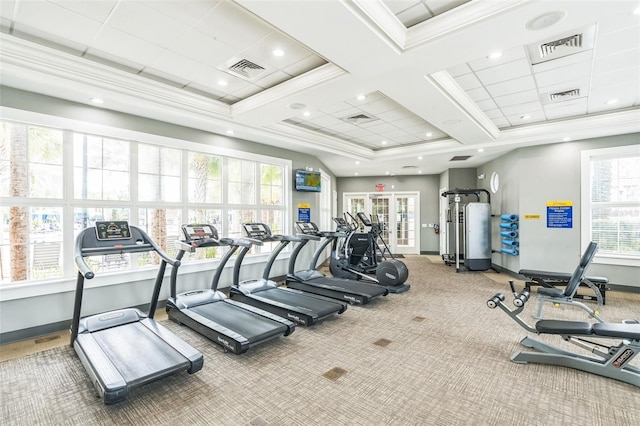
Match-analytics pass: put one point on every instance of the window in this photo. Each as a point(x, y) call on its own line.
point(49, 193)
point(101, 168)
point(31, 170)
point(611, 203)
point(158, 173)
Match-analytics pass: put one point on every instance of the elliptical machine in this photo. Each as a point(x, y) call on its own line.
point(357, 257)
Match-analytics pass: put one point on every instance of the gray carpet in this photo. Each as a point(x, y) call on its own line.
point(435, 355)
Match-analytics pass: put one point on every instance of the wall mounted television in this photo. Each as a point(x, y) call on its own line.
point(308, 181)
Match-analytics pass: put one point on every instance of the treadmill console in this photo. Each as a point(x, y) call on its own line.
point(307, 227)
point(199, 232)
point(113, 230)
point(259, 231)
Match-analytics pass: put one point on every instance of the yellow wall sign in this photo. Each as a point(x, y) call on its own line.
point(304, 206)
point(559, 203)
point(532, 216)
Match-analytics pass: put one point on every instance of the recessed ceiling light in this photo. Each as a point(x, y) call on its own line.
point(546, 20)
point(419, 172)
point(384, 142)
point(495, 55)
point(420, 157)
point(230, 132)
point(361, 97)
point(278, 52)
point(306, 113)
point(356, 173)
point(222, 83)
point(429, 134)
point(386, 173)
point(566, 138)
point(96, 100)
point(357, 162)
point(612, 101)
point(636, 11)
point(480, 149)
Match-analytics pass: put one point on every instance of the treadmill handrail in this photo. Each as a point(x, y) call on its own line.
point(143, 243)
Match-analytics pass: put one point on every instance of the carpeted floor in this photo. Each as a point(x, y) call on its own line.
point(435, 355)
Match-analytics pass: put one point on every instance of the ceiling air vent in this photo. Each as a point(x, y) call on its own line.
point(573, 41)
point(565, 95)
point(359, 119)
point(409, 167)
point(460, 158)
point(244, 68)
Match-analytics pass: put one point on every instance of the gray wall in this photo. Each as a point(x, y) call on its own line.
point(529, 178)
point(426, 185)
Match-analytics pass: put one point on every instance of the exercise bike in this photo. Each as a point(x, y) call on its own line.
point(357, 257)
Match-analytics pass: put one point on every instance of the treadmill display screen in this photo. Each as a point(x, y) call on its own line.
point(199, 232)
point(306, 227)
point(116, 230)
point(255, 230)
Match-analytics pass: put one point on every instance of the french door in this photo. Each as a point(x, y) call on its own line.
point(398, 214)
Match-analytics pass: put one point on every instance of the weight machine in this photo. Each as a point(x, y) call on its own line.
point(472, 226)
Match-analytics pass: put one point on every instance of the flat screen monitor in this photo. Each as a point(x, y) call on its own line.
point(308, 181)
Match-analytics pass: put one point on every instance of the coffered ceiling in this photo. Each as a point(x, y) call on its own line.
point(370, 87)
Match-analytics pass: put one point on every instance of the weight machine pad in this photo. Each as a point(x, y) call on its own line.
point(558, 276)
point(564, 327)
point(623, 331)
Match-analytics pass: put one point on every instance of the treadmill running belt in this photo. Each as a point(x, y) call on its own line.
point(138, 353)
point(300, 301)
point(347, 286)
point(252, 326)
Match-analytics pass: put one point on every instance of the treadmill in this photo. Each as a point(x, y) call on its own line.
point(313, 281)
point(125, 348)
point(302, 308)
point(234, 325)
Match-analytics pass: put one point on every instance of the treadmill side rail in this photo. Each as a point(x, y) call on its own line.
point(196, 359)
point(108, 381)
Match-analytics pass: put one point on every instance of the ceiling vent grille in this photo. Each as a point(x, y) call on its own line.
point(409, 167)
point(563, 96)
point(244, 68)
point(574, 41)
point(460, 158)
point(360, 119)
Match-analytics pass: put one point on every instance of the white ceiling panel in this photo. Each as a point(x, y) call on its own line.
point(568, 74)
point(232, 26)
point(142, 21)
point(525, 97)
point(200, 47)
point(521, 108)
point(468, 82)
point(119, 43)
point(503, 72)
point(96, 10)
point(621, 60)
point(512, 86)
point(44, 17)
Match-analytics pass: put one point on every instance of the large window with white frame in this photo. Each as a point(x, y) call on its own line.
point(54, 183)
point(611, 203)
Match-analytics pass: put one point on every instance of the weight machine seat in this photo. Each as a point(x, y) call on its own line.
point(562, 277)
point(564, 327)
point(580, 328)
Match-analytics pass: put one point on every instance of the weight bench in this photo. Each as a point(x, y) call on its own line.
point(560, 279)
point(613, 362)
point(552, 294)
